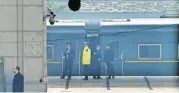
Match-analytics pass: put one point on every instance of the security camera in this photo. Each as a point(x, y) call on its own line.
point(51, 15)
point(52, 20)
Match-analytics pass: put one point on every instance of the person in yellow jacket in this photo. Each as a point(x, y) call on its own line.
point(86, 60)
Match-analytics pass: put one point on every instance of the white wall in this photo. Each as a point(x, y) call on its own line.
point(23, 40)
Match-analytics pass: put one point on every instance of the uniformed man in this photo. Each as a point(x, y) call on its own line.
point(18, 81)
point(108, 59)
point(68, 57)
point(96, 64)
point(86, 60)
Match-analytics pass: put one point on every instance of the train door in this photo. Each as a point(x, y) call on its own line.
point(93, 42)
point(55, 51)
point(118, 61)
point(55, 58)
point(54, 55)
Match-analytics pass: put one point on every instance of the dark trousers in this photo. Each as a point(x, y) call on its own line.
point(96, 70)
point(110, 70)
point(86, 71)
point(67, 68)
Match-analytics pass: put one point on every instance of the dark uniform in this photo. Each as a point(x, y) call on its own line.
point(18, 83)
point(96, 64)
point(68, 63)
point(108, 59)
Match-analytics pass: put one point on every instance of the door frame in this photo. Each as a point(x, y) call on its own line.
point(121, 55)
point(52, 59)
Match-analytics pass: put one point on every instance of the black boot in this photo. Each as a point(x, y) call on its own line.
point(69, 77)
point(99, 77)
point(85, 78)
point(62, 77)
point(109, 77)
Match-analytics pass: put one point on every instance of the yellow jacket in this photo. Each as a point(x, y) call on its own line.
point(86, 59)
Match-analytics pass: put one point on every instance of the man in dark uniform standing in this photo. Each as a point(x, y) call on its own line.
point(108, 59)
point(96, 64)
point(68, 57)
point(18, 81)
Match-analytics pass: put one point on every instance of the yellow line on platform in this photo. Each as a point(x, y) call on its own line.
point(152, 61)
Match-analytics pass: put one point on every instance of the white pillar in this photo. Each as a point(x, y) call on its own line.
point(23, 40)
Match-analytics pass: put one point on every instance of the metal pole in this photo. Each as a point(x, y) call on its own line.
point(122, 67)
point(62, 62)
point(122, 63)
point(79, 72)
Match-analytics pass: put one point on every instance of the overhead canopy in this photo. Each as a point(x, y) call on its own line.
point(95, 24)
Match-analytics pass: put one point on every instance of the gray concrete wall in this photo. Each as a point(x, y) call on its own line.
point(23, 41)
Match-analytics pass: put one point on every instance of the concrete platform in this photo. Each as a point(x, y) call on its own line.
point(122, 84)
point(136, 82)
point(113, 90)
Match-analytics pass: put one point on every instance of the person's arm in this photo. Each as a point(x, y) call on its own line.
point(14, 84)
point(103, 57)
point(17, 85)
point(100, 57)
point(89, 55)
point(22, 83)
point(83, 56)
point(112, 55)
point(63, 57)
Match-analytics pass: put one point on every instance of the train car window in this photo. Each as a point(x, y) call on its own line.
point(115, 47)
point(149, 51)
point(50, 53)
point(73, 45)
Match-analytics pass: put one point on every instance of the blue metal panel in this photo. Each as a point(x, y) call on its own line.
point(170, 51)
point(54, 69)
point(50, 53)
point(128, 42)
point(166, 36)
point(149, 52)
point(59, 40)
point(66, 29)
point(138, 28)
point(150, 69)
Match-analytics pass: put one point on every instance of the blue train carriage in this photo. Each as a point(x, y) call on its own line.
point(142, 47)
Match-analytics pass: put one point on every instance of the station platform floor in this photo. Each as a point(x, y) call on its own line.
point(121, 84)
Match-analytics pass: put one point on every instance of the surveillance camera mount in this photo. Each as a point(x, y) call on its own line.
point(51, 15)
